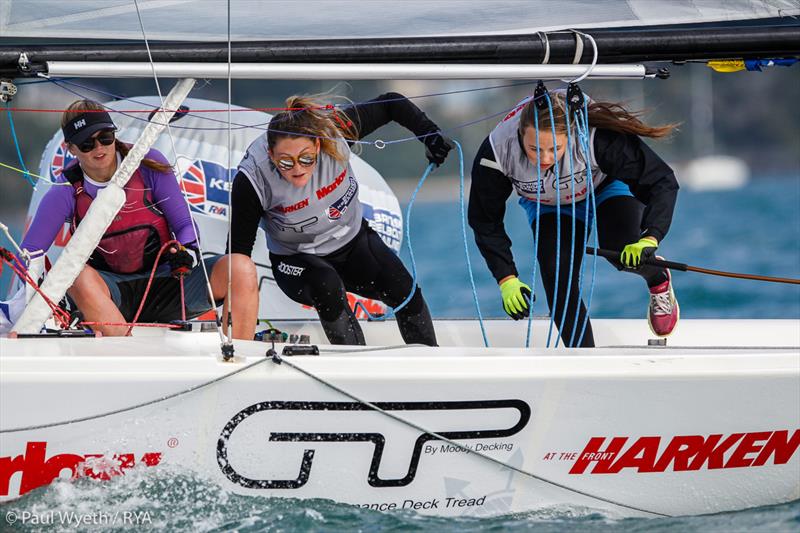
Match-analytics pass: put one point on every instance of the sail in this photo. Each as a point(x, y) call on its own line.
point(190, 20)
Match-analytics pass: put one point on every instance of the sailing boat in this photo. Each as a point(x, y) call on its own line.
point(708, 424)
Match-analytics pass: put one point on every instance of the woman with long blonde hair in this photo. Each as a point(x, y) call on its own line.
point(296, 181)
point(634, 193)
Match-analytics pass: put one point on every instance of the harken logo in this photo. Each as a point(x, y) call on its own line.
point(686, 452)
point(487, 412)
point(37, 470)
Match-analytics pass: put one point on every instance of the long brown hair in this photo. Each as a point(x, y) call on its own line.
point(604, 115)
point(79, 107)
point(313, 118)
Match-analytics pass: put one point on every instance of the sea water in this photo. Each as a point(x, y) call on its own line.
point(755, 229)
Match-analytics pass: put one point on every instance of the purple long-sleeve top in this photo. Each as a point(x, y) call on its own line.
point(58, 206)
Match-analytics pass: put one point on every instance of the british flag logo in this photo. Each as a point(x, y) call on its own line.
point(205, 185)
point(193, 185)
point(61, 158)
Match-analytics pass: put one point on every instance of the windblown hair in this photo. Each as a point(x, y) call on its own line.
point(79, 107)
point(603, 115)
point(312, 118)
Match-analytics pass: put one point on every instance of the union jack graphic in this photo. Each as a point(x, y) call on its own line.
point(193, 185)
point(61, 158)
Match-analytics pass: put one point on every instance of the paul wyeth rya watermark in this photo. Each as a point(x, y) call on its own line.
point(71, 518)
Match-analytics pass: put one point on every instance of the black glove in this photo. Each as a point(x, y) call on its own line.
point(437, 147)
point(181, 260)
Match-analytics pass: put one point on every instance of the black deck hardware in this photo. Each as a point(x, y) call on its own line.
point(182, 325)
point(300, 349)
point(60, 333)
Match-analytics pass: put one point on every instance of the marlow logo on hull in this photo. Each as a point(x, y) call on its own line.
point(36, 471)
point(377, 438)
point(687, 452)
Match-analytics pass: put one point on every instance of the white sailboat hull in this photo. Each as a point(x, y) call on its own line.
point(630, 430)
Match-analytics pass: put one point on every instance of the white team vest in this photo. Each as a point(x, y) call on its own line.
point(513, 162)
point(318, 218)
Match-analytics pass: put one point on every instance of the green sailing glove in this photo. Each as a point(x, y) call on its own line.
point(633, 254)
point(516, 297)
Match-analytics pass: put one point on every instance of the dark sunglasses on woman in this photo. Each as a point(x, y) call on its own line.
point(287, 163)
point(105, 137)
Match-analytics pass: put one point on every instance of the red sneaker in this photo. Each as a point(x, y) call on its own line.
point(663, 312)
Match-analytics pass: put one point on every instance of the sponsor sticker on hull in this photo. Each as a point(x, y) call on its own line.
point(36, 469)
point(681, 453)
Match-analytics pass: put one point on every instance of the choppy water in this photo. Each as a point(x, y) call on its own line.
point(755, 229)
point(150, 500)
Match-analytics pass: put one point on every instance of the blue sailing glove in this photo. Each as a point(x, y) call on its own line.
point(633, 254)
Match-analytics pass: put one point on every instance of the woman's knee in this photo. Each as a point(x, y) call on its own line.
point(244, 276)
point(88, 283)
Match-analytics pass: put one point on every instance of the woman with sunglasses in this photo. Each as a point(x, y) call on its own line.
point(296, 181)
point(111, 286)
point(634, 193)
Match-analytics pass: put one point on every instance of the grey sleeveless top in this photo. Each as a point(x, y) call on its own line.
point(513, 162)
point(318, 218)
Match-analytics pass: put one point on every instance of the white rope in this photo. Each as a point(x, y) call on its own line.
point(594, 58)
point(543, 36)
point(578, 49)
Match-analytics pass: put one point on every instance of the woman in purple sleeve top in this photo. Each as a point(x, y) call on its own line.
point(111, 285)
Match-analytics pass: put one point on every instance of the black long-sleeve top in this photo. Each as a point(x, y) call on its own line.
point(620, 156)
point(247, 210)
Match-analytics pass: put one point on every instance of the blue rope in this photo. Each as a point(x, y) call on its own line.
point(25, 173)
point(466, 246)
point(587, 148)
point(393, 311)
point(572, 243)
point(558, 212)
point(539, 185)
point(582, 144)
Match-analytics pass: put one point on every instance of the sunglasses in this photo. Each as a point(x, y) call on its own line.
point(287, 162)
point(106, 137)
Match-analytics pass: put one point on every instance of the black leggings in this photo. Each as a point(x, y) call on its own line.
point(365, 266)
point(618, 220)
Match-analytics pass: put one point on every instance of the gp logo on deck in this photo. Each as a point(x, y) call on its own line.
point(447, 410)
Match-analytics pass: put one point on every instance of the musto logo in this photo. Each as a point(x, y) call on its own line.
point(36, 469)
point(454, 420)
point(686, 452)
